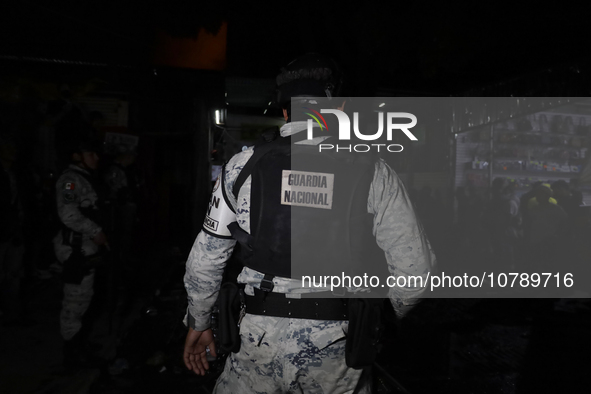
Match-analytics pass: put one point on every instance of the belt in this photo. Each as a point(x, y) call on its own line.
point(276, 304)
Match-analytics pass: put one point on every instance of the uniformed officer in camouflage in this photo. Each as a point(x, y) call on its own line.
point(281, 354)
point(116, 177)
point(125, 208)
point(77, 207)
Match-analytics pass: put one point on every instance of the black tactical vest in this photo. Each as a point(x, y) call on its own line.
point(293, 233)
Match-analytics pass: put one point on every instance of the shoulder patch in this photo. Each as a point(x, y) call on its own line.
point(220, 213)
point(69, 186)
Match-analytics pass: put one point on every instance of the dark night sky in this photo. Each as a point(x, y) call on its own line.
point(430, 46)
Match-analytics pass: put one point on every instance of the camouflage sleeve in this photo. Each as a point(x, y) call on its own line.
point(401, 236)
point(69, 199)
point(207, 260)
point(203, 276)
point(242, 202)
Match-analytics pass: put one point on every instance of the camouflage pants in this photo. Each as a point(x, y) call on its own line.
point(282, 355)
point(75, 303)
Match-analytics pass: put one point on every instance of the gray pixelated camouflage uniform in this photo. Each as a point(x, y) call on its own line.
point(74, 191)
point(283, 354)
point(116, 179)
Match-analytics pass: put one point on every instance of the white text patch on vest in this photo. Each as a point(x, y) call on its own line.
point(307, 189)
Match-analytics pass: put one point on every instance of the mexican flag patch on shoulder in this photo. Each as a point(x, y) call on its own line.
point(69, 186)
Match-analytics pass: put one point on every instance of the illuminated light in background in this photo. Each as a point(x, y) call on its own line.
point(220, 116)
point(205, 52)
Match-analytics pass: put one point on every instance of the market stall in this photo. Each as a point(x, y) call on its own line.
point(550, 143)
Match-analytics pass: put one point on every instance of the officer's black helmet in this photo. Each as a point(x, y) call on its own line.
point(311, 75)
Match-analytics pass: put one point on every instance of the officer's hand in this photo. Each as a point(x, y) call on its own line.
point(100, 239)
point(195, 355)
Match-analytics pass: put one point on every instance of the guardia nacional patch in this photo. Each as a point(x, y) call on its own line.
point(307, 189)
